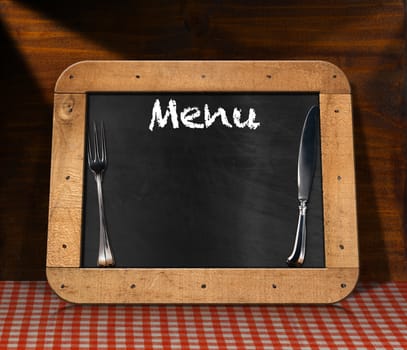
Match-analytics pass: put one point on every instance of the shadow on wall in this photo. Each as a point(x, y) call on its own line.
point(178, 30)
point(25, 136)
point(221, 29)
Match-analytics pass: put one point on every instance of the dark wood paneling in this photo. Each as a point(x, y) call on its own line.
point(365, 38)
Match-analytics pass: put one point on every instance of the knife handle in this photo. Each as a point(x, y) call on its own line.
point(296, 259)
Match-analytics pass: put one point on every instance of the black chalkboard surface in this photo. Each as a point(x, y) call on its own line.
point(216, 195)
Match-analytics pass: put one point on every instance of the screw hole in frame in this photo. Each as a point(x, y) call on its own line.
point(133, 286)
point(64, 246)
point(138, 76)
point(274, 286)
point(71, 76)
point(268, 76)
point(341, 247)
point(343, 285)
point(203, 285)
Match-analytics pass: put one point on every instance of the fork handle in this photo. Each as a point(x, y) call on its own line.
point(105, 257)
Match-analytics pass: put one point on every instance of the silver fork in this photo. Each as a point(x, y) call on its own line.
point(97, 160)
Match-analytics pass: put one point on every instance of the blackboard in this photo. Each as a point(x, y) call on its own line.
point(216, 196)
point(202, 207)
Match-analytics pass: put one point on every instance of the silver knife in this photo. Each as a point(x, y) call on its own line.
point(307, 157)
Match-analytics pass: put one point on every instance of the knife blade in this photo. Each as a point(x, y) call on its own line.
point(307, 156)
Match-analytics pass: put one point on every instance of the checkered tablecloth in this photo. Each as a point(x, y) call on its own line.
point(373, 317)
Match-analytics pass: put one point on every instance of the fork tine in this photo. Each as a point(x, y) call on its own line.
point(89, 150)
point(102, 136)
point(95, 142)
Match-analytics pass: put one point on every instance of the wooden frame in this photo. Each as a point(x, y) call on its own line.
point(194, 285)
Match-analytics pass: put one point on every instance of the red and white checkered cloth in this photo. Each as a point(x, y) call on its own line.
point(373, 317)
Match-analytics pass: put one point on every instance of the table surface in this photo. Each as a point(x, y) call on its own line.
point(373, 317)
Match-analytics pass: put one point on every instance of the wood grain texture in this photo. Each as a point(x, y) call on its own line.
point(338, 181)
point(202, 285)
point(290, 76)
point(365, 39)
point(66, 184)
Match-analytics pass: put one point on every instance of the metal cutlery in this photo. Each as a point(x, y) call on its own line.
point(307, 156)
point(97, 161)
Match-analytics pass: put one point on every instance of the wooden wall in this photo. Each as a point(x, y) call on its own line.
point(365, 38)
